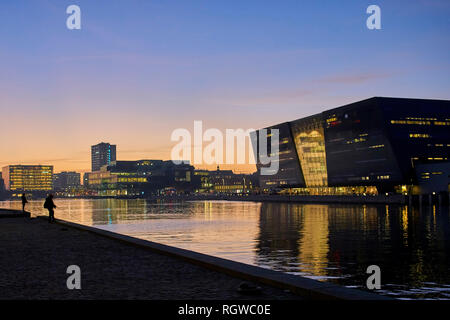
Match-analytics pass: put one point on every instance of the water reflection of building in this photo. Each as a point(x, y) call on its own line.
point(279, 230)
point(113, 211)
point(313, 241)
point(339, 242)
point(100, 211)
point(294, 238)
point(371, 146)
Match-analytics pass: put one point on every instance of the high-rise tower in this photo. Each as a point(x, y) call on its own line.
point(102, 154)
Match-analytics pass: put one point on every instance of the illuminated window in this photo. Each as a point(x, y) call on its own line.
point(419, 135)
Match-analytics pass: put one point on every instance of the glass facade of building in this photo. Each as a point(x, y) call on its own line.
point(136, 178)
point(308, 135)
point(289, 173)
point(124, 177)
point(359, 151)
point(28, 177)
point(374, 144)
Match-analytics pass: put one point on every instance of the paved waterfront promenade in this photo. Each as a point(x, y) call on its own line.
point(35, 254)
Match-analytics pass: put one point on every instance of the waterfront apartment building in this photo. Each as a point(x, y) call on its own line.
point(371, 146)
point(66, 180)
point(102, 154)
point(28, 178)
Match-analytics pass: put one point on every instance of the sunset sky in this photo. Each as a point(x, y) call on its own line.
point(137, 70)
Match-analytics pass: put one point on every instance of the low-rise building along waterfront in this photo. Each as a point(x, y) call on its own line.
point(66, 180)
point(139, 178)
point(35, 179)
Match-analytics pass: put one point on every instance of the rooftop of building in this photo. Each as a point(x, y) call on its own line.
point(444, 105)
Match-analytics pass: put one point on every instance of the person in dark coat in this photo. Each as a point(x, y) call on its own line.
point(24, 201)
point(50, 206)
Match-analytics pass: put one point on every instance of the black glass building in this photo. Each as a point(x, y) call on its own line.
point(370, 146)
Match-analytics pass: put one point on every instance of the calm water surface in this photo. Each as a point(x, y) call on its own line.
point(333, 243)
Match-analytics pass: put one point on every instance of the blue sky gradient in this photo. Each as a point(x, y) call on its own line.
point(139, 69)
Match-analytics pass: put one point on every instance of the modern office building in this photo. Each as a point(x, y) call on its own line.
point(137, 178)
point(102, 154)
point(121, 178)
point(371, 146)
point(28, 178)
point(433, 177)
point(224, 181)
point(66, 180)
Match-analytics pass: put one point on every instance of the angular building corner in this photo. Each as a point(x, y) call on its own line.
point(379, 145)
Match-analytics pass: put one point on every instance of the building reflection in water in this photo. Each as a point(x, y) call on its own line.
point(327, 242)
point(313, 240)
point(294, 238)
point(338, 242)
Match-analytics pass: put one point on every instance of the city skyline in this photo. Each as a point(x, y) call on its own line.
point(137, 71)
point(212, 167)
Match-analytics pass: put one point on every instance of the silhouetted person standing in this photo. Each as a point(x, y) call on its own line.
point(50, 206)
point(24, 202)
